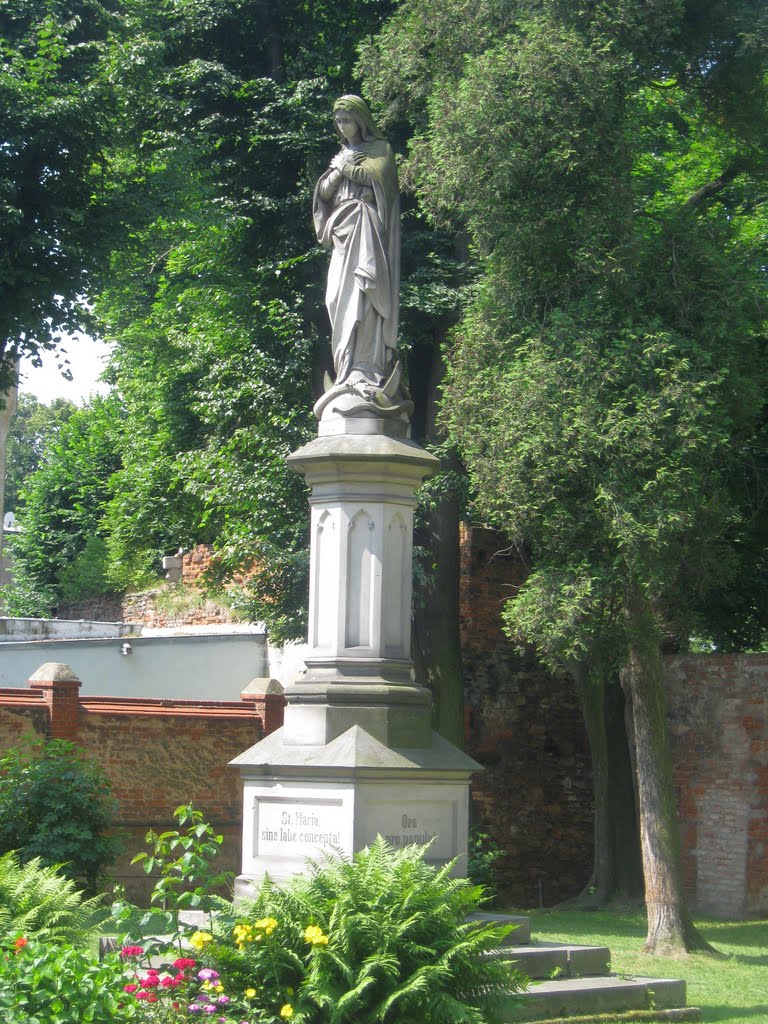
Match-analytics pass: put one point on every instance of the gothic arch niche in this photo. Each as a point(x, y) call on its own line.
point(361, 567)
point(323, 618)
point(396, 593)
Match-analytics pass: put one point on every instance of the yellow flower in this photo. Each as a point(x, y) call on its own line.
point(250, 993)
point(314, 935)
point(268, 924)
point(286, 1011)
point(212, 986)
point(200, 939)
point(243, 933)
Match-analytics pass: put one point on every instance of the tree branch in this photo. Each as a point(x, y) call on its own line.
point(713, 187)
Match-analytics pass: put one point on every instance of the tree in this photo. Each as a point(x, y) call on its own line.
point(608, 163)
point(33, 424)
point(55, 118)
point(62, 505)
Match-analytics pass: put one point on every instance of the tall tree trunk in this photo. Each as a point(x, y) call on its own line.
point(436, 621)
point(670, 927)
point(616, 871)
point(624, 832)
point(437, 646)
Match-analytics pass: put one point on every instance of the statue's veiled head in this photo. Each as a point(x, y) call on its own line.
point(357, 108)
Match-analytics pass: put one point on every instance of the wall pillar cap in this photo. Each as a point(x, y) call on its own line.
point(54, 672)
point(262, 686)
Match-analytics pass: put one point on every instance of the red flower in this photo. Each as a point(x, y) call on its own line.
point(20, 943)
point(184, 962)
point(127, 951)
point(151, 981)
point(130, 988)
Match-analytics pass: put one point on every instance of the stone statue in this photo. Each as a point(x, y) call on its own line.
point(356, 211)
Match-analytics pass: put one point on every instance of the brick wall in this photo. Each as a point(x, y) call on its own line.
point(150, 609)
point(535, 796)
point(525, 727)
point(718, 719)
point(157, 753)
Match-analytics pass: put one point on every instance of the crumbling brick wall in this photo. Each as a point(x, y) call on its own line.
point(525, 727)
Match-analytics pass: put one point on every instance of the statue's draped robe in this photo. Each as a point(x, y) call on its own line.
point(360, 222)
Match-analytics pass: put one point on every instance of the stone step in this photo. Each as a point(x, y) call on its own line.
point(553, 960)
point(657, 1016)
point(570, 997)
point(522, 925)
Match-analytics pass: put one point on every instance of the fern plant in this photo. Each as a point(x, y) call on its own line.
point(385, 939)
point(37, 900)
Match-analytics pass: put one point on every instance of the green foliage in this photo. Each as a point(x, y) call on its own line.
point(483, 853)
point(86, 576)
point(55, 111)
point(56, 804)
point(38, 900)
point(47, 982)
point(388, 940)
point(62, 505)
point(32, 425)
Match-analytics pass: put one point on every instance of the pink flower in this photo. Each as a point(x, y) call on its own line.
point(184, 962)
point(207, 974)
point(127, 951)
point(130, 988)
point(151, 981)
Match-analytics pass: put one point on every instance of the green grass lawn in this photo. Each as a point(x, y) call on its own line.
point(732, 989)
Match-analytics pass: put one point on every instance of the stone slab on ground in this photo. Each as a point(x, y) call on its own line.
point(569, 997)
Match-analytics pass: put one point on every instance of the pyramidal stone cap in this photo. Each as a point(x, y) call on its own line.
point(54, 672)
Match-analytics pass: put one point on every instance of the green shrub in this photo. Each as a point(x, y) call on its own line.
point(483, 853)
point(37, 900)
point(56, 804)
point(57, 983)
point(381, 938)
point(186, 880)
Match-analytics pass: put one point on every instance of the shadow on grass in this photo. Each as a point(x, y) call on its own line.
point(736, 933)
point(761, 960)
point(729, 1013)
point(588, 923)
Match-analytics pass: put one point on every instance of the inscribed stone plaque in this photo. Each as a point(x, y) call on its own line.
point(298, 826)
point(406, 822)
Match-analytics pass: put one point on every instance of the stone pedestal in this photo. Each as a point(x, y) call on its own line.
point(356, 756)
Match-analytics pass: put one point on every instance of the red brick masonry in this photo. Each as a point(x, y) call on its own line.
point(158, 754)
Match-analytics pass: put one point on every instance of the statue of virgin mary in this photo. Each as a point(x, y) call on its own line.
point(356, 212)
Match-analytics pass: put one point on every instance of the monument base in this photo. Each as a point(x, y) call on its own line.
point(306, 802)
